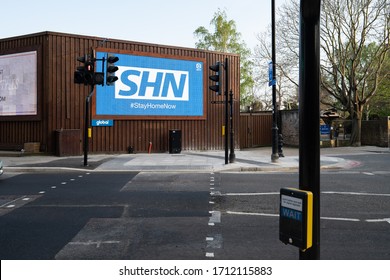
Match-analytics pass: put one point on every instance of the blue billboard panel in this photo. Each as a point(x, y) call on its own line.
point(152, 86)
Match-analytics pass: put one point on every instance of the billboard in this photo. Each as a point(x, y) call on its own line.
point(150, 86)
point(18, 84)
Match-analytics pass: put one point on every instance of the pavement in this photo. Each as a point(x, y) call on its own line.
point(256, 159)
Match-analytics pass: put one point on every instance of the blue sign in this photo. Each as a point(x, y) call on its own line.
point(102, 122)
point(152, 86)
point(271, 80)
point(324, 129)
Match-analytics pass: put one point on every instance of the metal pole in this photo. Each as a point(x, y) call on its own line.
point(226, 111)
point(232, 157)
point(274, 155)
point(309, 114)
point(86, 126)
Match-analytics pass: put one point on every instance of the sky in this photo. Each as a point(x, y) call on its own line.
point(169, 22)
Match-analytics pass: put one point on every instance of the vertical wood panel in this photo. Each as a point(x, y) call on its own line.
point(63, 101)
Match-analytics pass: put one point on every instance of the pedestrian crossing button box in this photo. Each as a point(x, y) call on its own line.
point(296, 217)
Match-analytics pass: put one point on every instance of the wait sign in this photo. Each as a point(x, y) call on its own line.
point(296, 217)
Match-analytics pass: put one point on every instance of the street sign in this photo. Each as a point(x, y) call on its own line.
point(271, 80)
point(102, 122)
point(324, 129)
point(296, 217)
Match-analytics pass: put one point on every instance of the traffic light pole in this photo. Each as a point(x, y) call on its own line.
point(86, 125)
point(232, 156)
point(274, 155)
point(309, 114)
point(226, 111)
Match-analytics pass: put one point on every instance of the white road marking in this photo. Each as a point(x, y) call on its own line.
point(97, 243)
point(325, 192)
point(42, 192)
point(340, 219)
point(252, 214)
point(15, 200)
point(378, 220)
point(368, 173)
point(215, 217)
point(357, 193)
point(209, 255)
point(250, 194)
point(215, 193)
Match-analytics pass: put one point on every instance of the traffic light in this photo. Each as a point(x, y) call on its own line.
point(111, 69)
point(89, 71)
point(216, 78)
point(98, 78)
point(86, 74)
point(80, 73)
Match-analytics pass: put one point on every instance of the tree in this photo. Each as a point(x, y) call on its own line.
point(287, 55)
point(354, 45)
point(379, 105)
point(355, 41)
point(225, 38)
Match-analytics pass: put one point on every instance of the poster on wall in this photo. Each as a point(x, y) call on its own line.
point(149, 86)
point(18, 84)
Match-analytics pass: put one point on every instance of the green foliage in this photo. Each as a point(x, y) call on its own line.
point(226, 38)
point(380, 103)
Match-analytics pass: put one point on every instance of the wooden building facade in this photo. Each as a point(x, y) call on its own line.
point(61, 102)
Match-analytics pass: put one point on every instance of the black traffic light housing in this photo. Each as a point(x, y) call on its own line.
point(111, 69)
point(80, 73)
point(216, 78)
point(86, 74)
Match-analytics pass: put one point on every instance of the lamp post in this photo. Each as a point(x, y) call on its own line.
point(274, 155)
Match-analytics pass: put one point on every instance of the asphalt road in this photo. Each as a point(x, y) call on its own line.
point(92, 215)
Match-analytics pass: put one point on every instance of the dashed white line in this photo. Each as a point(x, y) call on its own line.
point(209, 255)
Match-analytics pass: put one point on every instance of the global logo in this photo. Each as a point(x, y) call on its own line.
point(152, 84)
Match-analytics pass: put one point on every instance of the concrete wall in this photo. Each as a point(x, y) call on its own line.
point(376, 132)
point(289, 127)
